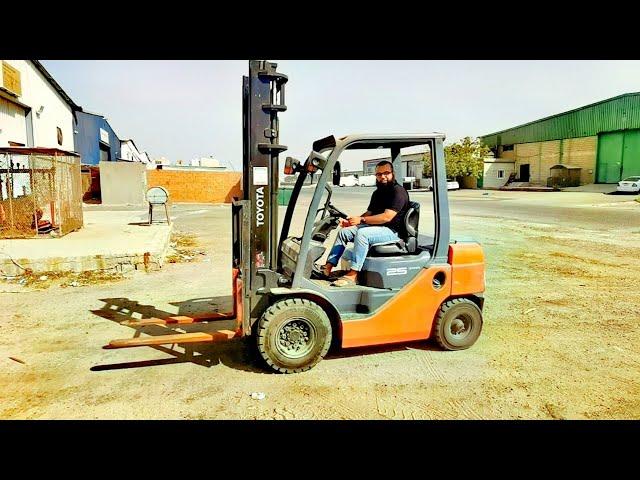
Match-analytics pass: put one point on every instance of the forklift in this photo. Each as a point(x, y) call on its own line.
point(417, 288)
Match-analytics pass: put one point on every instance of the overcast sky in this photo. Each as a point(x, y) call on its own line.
point(190, 109)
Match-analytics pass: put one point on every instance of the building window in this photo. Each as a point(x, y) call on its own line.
point(500, 173)
point(507, 148)
point(59, 136)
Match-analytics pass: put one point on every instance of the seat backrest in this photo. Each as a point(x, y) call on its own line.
point(411, 221)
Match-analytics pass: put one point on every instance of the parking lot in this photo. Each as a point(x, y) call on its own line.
point(560, 336)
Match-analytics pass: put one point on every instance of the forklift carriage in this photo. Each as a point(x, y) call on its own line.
point(418, 288)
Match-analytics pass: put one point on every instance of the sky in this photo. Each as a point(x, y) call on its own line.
point(190, 109)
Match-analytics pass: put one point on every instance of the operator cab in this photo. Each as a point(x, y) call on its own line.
point(388, 266)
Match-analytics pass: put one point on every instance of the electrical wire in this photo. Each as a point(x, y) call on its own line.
point(15, 263)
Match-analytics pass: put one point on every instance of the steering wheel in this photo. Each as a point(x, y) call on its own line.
point(335, 212)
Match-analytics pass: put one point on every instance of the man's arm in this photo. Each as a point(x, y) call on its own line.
point(379, 219)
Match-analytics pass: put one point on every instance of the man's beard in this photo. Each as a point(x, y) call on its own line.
point(385, 186)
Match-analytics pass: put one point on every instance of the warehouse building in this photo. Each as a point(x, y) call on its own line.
point(411, 165)
point(95, 139)
point(600, 142)
point(34, 109)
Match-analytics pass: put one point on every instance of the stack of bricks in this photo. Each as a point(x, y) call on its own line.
point(198, 186)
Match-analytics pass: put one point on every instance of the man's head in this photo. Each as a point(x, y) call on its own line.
point(384, 174)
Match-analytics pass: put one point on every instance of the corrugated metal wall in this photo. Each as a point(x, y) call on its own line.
point(87, 138)
point(618, 113)
point(12, 123)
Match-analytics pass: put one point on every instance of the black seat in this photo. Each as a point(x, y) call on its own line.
point(408, 242)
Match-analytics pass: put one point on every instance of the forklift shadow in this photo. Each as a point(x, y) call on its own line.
point(427, 345)
point(234, 354)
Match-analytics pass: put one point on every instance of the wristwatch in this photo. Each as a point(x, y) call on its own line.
point(362, 219)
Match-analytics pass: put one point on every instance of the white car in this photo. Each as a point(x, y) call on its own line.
point(451, 184)
point(629, 185)
point(349, 181)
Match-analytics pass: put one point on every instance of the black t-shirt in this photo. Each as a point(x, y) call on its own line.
point(396, 199)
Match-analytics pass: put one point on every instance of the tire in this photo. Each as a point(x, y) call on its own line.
point(458, 324)
point(299, 347)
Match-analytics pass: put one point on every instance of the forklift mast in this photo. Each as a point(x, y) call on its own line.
point(255, 216)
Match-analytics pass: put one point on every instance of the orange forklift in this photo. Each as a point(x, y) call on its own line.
point(417, 288)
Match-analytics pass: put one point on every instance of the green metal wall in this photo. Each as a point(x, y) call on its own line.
point(618, 156)
point(617, 113)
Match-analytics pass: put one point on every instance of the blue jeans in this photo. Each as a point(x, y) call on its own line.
point(362, 236)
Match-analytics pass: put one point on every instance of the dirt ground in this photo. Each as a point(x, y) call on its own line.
point(561, 340)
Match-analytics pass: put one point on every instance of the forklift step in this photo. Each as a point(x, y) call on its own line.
point(178, 319)
point(197, 337)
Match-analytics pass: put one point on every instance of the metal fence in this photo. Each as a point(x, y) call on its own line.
point(40, 192)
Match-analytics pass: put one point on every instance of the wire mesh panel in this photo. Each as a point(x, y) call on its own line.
point(40, 193)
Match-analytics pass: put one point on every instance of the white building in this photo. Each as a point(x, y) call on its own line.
point(497, 171)
point(34, 110)
point(208, 162)
point(129, 151)
point(411, 165)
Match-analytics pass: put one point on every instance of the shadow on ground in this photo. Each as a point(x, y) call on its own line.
point(394, 347)
point(238, 354)
point(234, 354)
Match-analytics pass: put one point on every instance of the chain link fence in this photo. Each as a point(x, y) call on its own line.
point(40, 192)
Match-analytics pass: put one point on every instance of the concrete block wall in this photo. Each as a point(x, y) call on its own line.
point(197, 186)
point(582, 152)
point(541, 156)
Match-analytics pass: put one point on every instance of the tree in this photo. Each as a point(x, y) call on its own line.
point(462, 159)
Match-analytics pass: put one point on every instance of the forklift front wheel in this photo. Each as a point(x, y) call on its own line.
point(293, 335)
point(458, 324)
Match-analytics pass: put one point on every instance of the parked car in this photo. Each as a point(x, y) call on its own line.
point(629, 185)
point(349, 181)
point(451, 184)
point(367, 180)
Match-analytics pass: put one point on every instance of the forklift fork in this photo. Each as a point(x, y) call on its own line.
point(195, 337)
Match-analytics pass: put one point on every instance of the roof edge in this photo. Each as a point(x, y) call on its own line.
point(631, 94)
point(55, 85)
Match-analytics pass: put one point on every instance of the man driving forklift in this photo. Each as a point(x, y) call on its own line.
point(381, 223)
point(411, 287)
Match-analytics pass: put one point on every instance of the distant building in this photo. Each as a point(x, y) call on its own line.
point(602, 139)
point(95, 139)
point(191, 168)
point(129, 152)
point(497, 171)
point(34, 110)
point(206, 162)
point(196, 164)
point(412, 166)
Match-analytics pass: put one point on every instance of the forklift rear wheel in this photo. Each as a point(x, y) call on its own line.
point(458, 324)
point(293, 335)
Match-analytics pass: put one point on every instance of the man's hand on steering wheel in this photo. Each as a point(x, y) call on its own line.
point(351, 221)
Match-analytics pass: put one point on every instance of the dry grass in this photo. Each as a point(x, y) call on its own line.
point(182, 239)
point(183, 248)
point(44, 280)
